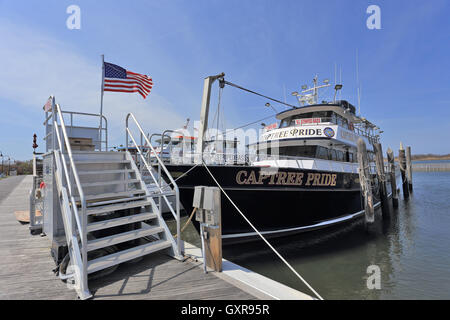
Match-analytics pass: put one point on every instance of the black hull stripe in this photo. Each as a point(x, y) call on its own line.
point(319, 225)
point(280, 189)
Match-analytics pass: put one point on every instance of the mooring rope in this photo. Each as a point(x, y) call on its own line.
point(187, 222)
point(262, 237)
point(259, 94)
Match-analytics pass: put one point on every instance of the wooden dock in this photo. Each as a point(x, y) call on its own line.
point(26, 266)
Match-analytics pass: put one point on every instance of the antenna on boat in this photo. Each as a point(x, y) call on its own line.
point(313, 97)
point(335, 73)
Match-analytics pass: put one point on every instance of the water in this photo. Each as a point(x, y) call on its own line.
point(411, 249)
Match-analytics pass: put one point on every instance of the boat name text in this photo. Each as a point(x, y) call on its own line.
point(286, 178)
point(293, 133)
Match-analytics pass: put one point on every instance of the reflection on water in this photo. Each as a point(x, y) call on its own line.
point(411, 248)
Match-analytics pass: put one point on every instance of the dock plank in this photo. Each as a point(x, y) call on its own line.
point(26, 266)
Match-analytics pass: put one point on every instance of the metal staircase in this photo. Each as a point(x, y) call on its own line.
point(109, 215)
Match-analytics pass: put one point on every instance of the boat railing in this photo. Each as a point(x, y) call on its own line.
point(314, 163)
point(79, 131)
point(156, 176)
point(219, 158)
point(75, 225)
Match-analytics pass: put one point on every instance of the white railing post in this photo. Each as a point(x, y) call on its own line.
point(157, 180)
point(83, 282)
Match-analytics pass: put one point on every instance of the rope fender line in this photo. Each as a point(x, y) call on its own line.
point(261, 236)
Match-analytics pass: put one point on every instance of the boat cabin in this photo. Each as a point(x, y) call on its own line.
point(327, 131)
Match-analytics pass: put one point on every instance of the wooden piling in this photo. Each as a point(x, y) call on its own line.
point(409, 169)
point(381, 176)
point(390, 157)
point(365, 181)
point(402, 164)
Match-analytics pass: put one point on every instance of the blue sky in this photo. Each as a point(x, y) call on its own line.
point(270, 46)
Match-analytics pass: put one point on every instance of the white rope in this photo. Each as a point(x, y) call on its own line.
point(262, 237)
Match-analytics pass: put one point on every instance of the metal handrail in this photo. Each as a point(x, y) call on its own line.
point(105, 128)
point(161, 165)
point(66, 175)
point(82, 227)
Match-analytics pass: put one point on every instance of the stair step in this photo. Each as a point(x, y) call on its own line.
point(126, 255)
point(101, 162)
point(122, 237)
point(80, 173)
point(106, 183)
point(100, 225)
point(112, 195)
point(116, 207)
point(109, 202)
point(162, 194)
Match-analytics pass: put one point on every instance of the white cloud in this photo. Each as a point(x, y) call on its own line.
point(34, 65)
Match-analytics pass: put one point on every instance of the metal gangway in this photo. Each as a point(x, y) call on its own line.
point(97, 209)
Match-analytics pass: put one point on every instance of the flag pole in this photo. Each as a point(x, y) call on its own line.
point(101, 103)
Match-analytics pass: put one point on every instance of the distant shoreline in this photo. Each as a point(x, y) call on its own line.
point(430, 157)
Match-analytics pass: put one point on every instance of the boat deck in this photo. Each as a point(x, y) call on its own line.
point(26, 266)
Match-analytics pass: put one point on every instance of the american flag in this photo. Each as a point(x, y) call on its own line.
point(117, 79)
point(48, 105)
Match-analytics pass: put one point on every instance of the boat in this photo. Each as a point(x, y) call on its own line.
point(301, 175)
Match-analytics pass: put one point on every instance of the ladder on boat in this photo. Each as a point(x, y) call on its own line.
point(108, 213)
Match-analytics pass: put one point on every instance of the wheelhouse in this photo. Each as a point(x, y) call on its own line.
point(327, 131)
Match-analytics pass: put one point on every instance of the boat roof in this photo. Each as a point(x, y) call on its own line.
point(342, 107)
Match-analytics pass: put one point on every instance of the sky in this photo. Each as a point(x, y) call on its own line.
point(272, 47)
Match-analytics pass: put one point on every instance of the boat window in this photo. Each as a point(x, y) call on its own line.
point(345, 123)
point(321, 114)
point(332, 154)
point(303, 116)
point(298, 151)
point(333, 117)
point(350, 157)
point(322, 153)
point(285, 122)
point(340, 155)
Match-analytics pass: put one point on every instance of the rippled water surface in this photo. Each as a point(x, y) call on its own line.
point(411, 248)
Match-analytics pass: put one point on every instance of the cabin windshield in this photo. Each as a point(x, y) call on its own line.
point(325, 116)
point(317, 152)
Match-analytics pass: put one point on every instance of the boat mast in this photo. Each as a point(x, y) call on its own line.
point(314, 89)
point(204, 113)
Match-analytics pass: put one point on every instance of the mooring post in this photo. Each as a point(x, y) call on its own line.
point(402, 164)
point(207, 200)
point(365, 181)
point(381, 179)
point(390, 157)
point(409, 168)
